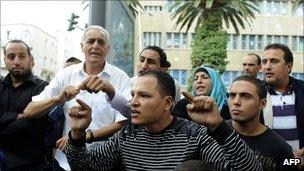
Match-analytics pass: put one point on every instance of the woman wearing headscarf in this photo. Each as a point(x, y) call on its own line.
point(207, 82)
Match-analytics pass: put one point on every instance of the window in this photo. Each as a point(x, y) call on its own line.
point(285, 40)
point(277, 39)
point(301, 44)
point(294, 43)
point(284, 8)
point(176, 40)
point(269, 39)
point(175, 74)
point(181, 76)
point(260, 42)
point(277, 8)
point(299, 11)
point(151, 38)
point(153, 8)
point(169, 5)
point(261, 7)
point(192, 38)
point(184, 40)
point(235, 41)
point(169, 40)
point(252, 42)
point(229, 44)
point(244, 42)
point(229, 76)
point(232, 41)
point(268, 7)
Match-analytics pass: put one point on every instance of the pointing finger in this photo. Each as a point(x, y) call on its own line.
point(83, 84)
point(82, 104)
point(188, 96)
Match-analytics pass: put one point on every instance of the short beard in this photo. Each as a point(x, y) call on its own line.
point(20, 76)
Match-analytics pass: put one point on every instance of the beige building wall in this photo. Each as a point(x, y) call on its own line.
point(264, 24)
point(43, 47)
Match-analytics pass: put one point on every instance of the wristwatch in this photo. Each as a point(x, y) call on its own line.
point(90, 136)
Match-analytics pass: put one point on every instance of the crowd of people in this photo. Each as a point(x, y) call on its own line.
point(92, 116)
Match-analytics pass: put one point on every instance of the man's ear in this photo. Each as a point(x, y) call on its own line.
point(32, 62)
point(168, 103)
point(162, 69)
point(289, 66)
point(263, 103)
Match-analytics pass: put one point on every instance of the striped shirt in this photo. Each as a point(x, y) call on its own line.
point(284, 117)
point(182, 140)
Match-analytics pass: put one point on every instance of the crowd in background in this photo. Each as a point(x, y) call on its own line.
point(92, 116)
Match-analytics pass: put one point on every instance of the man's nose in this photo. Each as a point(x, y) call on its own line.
point(267, 65)
point(145, 64)
point(96, 44)
point(134, 101)
point(236, 101)
point(16, 60)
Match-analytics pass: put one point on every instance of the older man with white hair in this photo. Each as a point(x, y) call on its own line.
point(94, 81)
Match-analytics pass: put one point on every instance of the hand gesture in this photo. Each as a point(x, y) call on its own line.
point(80, 119)
point(62, 142)
point(300, 154)
point(203, 110)
point(67, 94)
point(95, 84)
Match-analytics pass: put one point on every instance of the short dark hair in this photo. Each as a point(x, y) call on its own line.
point(260, 85)
point(162, 56)
point(288, 57)
point(258, 58)
point(165, 83)
point(73, 59)
point(17, 41)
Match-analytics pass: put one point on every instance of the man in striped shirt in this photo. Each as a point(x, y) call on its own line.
point(156, 140)
point(284, 111)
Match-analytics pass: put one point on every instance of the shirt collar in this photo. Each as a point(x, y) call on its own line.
point(272, 90)
point(105, 73)
point(30, 78)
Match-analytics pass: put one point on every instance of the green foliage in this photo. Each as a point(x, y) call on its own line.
point(134, 6)
point(235, 12)
point(209, 47)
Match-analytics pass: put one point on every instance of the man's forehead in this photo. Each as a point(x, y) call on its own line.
point(250, 59)
point(13, 46)
point(145, 83)
point(278, 53)
point(95, 34)
point(150, 54)
point(19, 44)
point(243, 87)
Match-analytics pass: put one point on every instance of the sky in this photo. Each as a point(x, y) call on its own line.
point(50, 16)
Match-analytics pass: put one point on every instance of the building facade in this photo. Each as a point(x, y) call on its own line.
point(43, 48)
point(273, 24)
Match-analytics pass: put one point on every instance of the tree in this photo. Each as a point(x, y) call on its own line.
point(208, 16)
point(210, 44)
point(232, 12)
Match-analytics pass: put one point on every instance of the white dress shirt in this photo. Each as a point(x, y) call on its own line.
point(102, 112)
